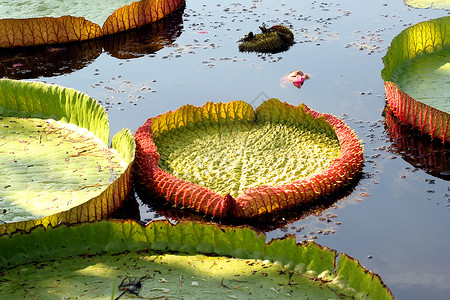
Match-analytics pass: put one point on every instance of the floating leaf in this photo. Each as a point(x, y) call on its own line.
point(31, 24)
point(100, 258)
point(61, 171)
point(416, 76)
point(48, 61)
point(228, 160)
point(138, 14)
point(435, 4)
point(46, 30)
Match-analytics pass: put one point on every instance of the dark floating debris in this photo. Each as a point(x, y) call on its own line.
point(275, 39)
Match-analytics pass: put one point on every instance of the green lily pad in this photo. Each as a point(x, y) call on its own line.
point(426, 78)
point(49, 167)
point(416, 75)
point(228, 160)
point(58, 171)
point(434, 4)
point(94, 11)
point(245, 157)
point(102, 260)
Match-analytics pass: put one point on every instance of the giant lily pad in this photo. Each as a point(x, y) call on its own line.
point(48, 61)
point(416, 75)
point(228, 160)
point(104, 259)
point(434, 4)
point(37, 22)
point(58, 170)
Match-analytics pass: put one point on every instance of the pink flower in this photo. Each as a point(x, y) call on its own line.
point(296, 77)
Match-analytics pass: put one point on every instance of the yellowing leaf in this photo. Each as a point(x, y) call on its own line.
point(47, 30)
point(16, 32)
point(138, 14)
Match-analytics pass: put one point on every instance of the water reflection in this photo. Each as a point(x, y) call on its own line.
point(145, 40)
point(153, 208)
point(418, 150)
point(55, 60)
point(47, 61)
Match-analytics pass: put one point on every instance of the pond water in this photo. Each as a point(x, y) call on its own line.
point(395, 220)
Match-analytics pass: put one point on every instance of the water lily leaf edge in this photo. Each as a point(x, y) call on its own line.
point(45, 101)
point(421, 39)
point(56, 30)
point(255, 201)
point(118, 236)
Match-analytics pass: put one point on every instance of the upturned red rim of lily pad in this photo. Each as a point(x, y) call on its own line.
point(420, 103)
point(254, 201)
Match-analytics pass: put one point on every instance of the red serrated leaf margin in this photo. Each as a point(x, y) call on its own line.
point(255, 201)
point(427, 119)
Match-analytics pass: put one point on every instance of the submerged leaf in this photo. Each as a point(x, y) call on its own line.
point(100, 258)
point(227, 160)
point(416, 76)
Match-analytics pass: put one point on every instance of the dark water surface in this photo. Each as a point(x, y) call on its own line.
point(396, 220)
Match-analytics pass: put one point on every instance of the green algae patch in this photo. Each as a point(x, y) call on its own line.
point(231, 162)
point(105, 259)
point(48, 167)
